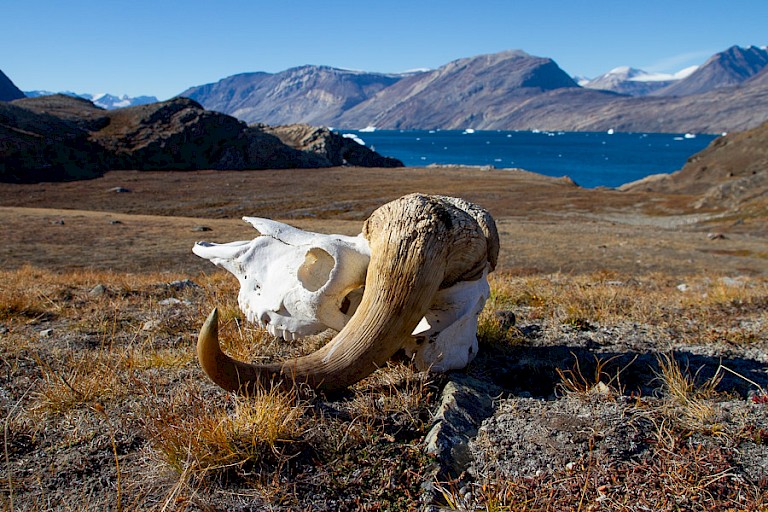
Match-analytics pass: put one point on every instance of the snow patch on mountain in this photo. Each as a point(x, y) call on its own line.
point(663, 77)
point(635, 82)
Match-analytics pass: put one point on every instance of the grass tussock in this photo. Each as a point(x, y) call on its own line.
point(201, 437)
point(77, 382)
point(603, 382)
point(690, 404)
point(397, 399)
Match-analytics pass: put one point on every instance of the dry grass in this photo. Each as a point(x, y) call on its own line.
point(608, 298)
point(602, 382)
point(690, 404)
point(81, 381)
point(106, 381)
point(100, 386)
point(199, 437)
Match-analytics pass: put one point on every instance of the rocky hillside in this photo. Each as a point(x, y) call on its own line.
point(326, 144)
point(729, 68)
point(732, 172)
point(515, 91)
point(8, 90)
point(629, 81)
point(307, 94)
point(727, 109)
point(63, 138)
point(38, 146)
point(477, 92)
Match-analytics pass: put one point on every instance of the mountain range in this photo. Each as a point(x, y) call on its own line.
point(635, 82)
point(510, 90)
point(507, 90)
point(104, 100)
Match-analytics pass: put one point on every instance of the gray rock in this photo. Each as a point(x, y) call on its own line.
point(330, 147)
point(98, 290)
point(506, 318)
point(183, 284)
point(151, 325)
point(464, 404)
point(173, 301)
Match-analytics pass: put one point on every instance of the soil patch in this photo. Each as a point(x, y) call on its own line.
point(132, 220)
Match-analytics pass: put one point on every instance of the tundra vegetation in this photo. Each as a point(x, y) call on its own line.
point(104, 405)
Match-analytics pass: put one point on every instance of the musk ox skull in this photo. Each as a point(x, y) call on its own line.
point(414, 280)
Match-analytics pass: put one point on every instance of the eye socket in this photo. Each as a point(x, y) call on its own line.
point(316, 269)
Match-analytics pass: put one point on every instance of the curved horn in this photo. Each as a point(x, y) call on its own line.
point(419, 244)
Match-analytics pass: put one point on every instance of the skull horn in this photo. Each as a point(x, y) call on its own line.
point(419, 244)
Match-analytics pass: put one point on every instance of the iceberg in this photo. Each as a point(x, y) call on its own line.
point(354, 138)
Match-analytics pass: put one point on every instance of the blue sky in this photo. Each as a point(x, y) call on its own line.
point(162, 47)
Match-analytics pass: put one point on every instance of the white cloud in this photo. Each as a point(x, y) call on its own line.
point(674, 63)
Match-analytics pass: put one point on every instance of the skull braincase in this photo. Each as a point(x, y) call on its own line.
point(294, 282)
point(297, 283)
point(446, 338)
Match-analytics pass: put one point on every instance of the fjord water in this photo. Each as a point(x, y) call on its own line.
point(591, 159)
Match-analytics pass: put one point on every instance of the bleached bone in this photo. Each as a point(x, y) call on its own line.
point(446, 338)
point(415, 279)
point(294, 282)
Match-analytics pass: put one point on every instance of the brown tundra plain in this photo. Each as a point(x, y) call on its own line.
point(623, 357)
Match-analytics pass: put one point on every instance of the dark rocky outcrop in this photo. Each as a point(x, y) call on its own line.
point(8, 90)
point(76, 111)
point(59, 137)
point(180, 135)
point(42, 147)
point(336, 149)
